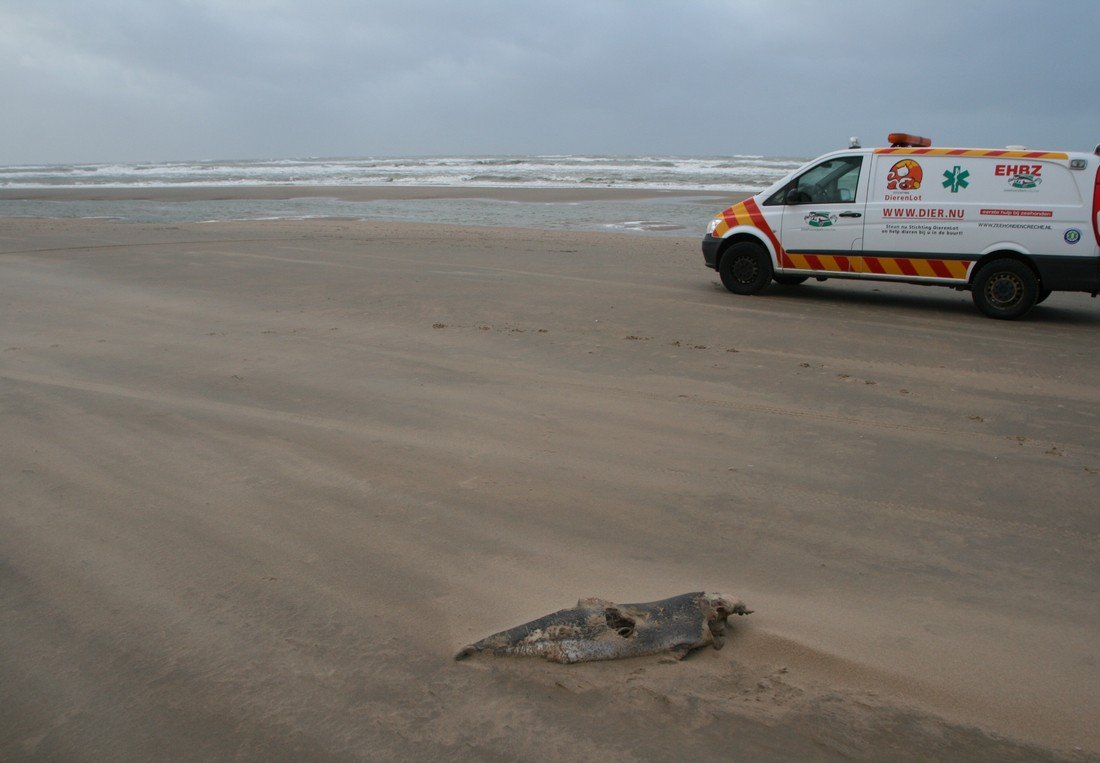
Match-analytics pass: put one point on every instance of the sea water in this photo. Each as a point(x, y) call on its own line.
point(711, 181)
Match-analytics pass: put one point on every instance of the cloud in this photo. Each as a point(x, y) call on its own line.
point(125, 79)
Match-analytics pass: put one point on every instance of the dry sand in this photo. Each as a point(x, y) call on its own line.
point(261, 480)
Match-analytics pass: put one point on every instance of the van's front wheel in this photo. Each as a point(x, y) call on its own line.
point(745, 268)
point(1005, 289)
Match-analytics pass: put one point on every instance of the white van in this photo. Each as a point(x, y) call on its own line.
point(1010, 225)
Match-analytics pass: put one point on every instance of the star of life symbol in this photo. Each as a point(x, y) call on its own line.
point(956, 178)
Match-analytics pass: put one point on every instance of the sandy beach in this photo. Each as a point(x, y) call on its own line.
point(262, 479)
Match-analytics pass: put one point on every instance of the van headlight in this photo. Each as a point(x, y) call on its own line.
point(712, 225)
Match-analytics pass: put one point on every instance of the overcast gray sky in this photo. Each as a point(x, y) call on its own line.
point(145, 80)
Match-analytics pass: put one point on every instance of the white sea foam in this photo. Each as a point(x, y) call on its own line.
point(719, 173)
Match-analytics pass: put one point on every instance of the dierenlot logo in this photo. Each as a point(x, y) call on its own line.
point(905, 175)
point(956, 178)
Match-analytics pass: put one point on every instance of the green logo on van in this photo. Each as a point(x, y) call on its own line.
point(1025, 181)
point(956, 179)
point(819, 219)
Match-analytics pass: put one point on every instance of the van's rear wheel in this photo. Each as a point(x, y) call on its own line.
point(1005, 289)
point(745, 268)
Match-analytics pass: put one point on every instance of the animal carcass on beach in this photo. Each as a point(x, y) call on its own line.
point(601, 630)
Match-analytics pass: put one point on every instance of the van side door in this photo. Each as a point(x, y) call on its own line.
point(823, 211)
point(922, 213)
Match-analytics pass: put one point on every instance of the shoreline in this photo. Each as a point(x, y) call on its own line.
point(641, 212)
point(355, 193)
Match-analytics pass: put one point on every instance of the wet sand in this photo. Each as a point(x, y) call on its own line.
point(261, 480)
point(352, 193)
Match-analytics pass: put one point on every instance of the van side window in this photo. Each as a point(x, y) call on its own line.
point(831, 182)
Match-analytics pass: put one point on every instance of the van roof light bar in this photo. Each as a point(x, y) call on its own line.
point(905, 140)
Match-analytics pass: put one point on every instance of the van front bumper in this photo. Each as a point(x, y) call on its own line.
point(711, 245)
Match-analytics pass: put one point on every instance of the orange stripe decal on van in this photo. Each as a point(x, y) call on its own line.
point(1005, 153)
point(824, 262)
point(910, 267)
point(748, 213)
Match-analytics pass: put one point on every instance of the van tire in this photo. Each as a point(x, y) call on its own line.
point(789, 280)
point(745, 268)
point(1005, 289)
point(1043, 294)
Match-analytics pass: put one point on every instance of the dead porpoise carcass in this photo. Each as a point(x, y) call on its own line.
point(601, 630)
